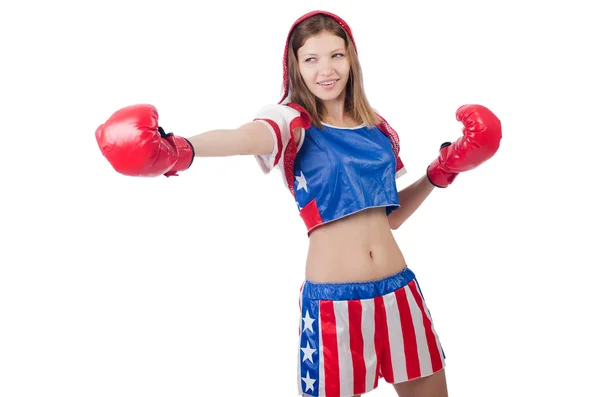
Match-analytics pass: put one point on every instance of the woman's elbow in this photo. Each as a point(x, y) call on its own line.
point(395, 221)
point(395, 226)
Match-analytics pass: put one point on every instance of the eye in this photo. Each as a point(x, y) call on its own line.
point(336, 55)
point(309, 59)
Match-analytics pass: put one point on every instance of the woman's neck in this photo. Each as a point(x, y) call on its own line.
point(335, 114)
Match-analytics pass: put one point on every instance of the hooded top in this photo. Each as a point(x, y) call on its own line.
point(340, 21)
point(333, 172)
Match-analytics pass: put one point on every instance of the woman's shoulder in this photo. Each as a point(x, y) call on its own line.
point(291, 109)
point(288, 114)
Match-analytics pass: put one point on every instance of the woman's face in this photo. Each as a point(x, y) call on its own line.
point(324, 66)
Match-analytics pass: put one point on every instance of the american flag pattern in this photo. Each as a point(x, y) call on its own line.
point(352, 334)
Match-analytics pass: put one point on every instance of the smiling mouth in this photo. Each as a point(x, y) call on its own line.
point(328, 83)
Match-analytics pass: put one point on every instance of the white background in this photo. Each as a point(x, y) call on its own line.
point(188, 286)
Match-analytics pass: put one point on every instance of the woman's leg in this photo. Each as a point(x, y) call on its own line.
point(429, 386)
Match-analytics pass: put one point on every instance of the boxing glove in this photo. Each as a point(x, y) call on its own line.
point(135, 145)
point(482, 133)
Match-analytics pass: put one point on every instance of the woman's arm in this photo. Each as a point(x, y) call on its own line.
point(251, 138)
point(411, 197)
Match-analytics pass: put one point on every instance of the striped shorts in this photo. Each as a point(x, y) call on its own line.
point(351, 334)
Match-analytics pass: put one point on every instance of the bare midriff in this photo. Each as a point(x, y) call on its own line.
point(358, 247)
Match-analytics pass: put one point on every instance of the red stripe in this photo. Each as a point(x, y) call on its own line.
point(399, 164)
point(409, 336)
point(289, 155)
point(357, 346)
point(310, 214)
point(279, 139)
point(434, 352)
point(331, 363)
point(303, 121)
point(382, 340)
point(387, 129)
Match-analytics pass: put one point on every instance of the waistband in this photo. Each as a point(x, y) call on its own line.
point(357, 290)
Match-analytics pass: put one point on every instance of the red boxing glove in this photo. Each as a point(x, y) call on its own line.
point(135, 145)
point(482, 133)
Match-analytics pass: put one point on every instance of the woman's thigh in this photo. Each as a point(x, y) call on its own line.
point(429, 386)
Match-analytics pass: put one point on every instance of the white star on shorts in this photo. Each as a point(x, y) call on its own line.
point(308, 322)
point(309, 382)
point(308, 352)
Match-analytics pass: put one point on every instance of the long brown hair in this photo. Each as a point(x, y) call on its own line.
point(356, 103)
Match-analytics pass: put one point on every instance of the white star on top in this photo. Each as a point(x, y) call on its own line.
point(308, 352)
point(301, 182)
point(308, 321)
point(309, 382)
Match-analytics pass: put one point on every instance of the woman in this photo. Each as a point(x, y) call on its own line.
point(362, 313)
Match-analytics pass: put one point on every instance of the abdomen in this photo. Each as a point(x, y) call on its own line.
point(358, 247)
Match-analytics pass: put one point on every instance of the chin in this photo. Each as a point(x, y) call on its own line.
point(330, 96)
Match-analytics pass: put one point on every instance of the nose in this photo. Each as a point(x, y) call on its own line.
point(326, 72)
point(326, 68)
